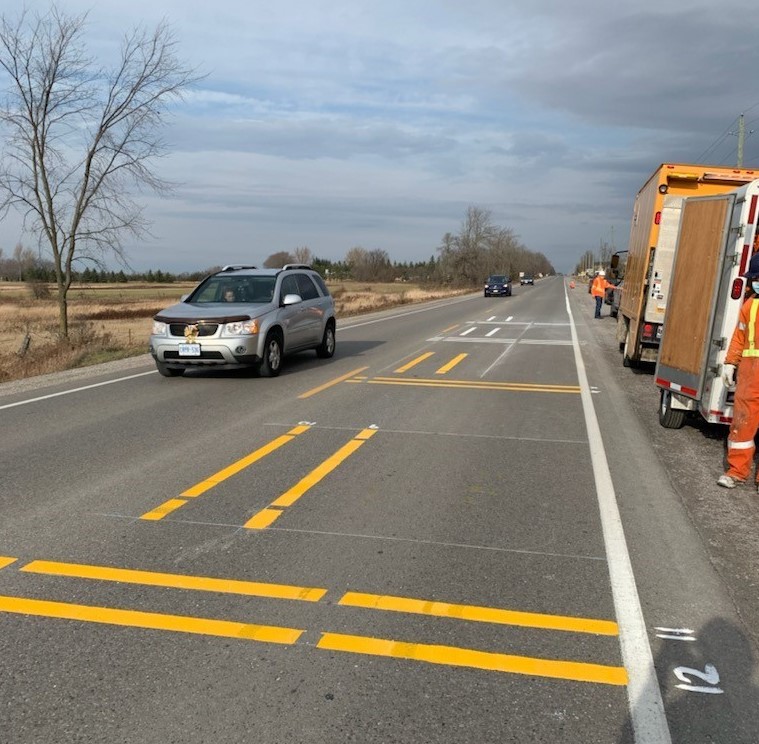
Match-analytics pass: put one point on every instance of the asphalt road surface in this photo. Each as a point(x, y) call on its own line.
point(466, 527)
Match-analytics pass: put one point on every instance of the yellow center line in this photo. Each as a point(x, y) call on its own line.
point(175, 581)
point(479, 614)
point(266, 517)
point(463, 657)
point(448, 367)
point(462, 385)
point(414, 362)
point(149, 620)
point(6, 561)
point(329, 384)
point(485, 383)
point(450, 328)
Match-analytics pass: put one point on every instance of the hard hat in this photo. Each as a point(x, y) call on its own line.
point(753, 267)
point(603, 273)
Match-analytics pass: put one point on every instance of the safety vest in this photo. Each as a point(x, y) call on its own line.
point(750, 349)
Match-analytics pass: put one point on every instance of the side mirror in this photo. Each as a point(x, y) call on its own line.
point(291, 299)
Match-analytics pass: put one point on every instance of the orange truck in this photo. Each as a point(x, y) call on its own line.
point(651, 249)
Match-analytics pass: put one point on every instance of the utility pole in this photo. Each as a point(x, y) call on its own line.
point(741, 139)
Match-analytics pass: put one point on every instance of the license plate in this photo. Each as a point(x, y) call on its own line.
point(189, 350)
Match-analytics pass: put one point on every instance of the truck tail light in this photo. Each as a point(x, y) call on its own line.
point(657, 218)
point(737, 291)
point(649, 332)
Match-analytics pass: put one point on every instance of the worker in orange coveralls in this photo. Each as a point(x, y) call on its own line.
point(598, 290)
point(744, 353)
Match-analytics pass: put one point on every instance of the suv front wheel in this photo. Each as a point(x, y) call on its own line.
point(326, 349)
point(272, 361)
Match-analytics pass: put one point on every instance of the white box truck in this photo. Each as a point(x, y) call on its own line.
point(716, 238)
point(651, 249)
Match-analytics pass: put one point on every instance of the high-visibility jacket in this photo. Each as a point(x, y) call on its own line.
point(745, 340)
point(599, 286)
point(743, 351)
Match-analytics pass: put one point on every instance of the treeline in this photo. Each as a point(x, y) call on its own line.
point(465, 258)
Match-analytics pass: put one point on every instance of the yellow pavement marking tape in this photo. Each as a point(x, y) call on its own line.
point(480, 614)
point(6, 561)
point(414, 362)
point(176, 581)
point(161, 511)
point(265, 517)
point(473, 385)
point(149, 620)
point(448, 367)
point(462, 657)
point(329, 384)
point(236, 467)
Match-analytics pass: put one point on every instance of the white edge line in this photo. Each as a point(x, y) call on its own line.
point(647, 713)
point(76, 390)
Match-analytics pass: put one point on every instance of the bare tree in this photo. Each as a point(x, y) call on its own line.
point(23, 259)
point(79, 138)
point(303, 255)
point(279, 259)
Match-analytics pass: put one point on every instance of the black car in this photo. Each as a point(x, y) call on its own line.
point(527, 279)
point(498, 285)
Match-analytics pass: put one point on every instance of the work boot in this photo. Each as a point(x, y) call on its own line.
point(727, 481)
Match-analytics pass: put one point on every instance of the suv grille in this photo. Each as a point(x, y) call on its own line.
point(204, 329)
point(203, 355)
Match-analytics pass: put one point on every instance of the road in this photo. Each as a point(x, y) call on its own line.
point(466, 527)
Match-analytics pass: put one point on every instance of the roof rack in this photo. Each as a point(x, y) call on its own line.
point(295, 266)
point(235, 267)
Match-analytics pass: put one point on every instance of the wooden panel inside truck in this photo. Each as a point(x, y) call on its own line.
point(703, 228)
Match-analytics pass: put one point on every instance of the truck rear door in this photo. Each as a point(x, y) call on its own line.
point(696, 279)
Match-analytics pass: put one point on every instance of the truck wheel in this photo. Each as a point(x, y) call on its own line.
point(670, 418)
point(626, 360)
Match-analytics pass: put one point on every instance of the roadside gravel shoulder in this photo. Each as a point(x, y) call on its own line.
point(84, 374)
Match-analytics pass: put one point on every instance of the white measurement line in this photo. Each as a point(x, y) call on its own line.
point(493, 332)
point(649, 721)
point(468, 331)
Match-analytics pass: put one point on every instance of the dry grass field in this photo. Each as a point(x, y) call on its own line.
point(111, 321)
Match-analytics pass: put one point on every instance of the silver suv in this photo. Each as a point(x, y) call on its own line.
point(245, 317)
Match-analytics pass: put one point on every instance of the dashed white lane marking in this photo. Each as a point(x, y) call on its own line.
point(493, 332)
point(468, 331)
point(510, 318)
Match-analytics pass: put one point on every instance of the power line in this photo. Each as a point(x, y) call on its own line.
point(718, 141)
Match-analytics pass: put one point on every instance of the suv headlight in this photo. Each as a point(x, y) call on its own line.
point(240, 328)
point(159, 328)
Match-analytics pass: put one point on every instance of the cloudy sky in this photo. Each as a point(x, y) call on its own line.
point(332, 124)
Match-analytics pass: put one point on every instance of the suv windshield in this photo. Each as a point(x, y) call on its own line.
point(247, 289)
point(498, 279)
